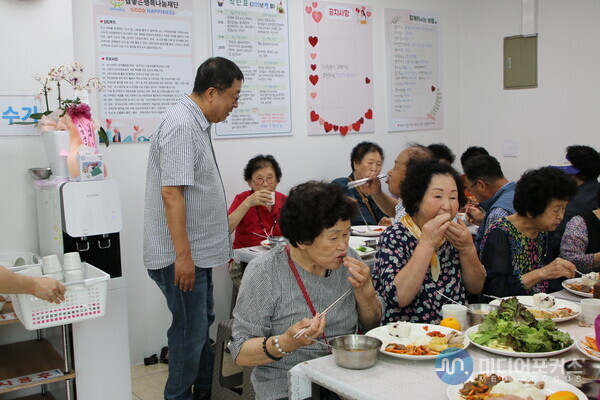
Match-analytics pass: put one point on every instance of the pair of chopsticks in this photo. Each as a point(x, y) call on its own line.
point(301, 331)
point(360, 182)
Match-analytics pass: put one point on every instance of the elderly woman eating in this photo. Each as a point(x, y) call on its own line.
point(253, 214)
point(514, 250)
point(366, 160)
point(284, 289)
point(581, 241)
point(427, 252)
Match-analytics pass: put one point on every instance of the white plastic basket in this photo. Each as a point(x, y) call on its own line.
point(84, 299)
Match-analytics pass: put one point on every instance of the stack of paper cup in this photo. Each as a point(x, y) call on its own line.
point(72, 261)
point(51, 267)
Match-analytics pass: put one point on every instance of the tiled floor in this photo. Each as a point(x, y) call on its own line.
point(148, 382)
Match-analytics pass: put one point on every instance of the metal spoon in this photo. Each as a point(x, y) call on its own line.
point(325, 344)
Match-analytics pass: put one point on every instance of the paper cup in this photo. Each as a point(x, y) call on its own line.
point(74, 275)
point(272, 201)
point(458, 312)
point(590, 308)
point(50, 264)
point(72, 257)
point(58, 276)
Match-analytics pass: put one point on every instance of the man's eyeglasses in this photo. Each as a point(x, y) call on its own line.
point(236, 99)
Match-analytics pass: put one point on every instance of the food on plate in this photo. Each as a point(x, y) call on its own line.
point(559, 313)
point(362, 249)
point(377, 230)
point(543, 300)
point(429, 347)
point(563, 395)
point(590, 279)
point(451, 322)
point(590, 346)
point(580, 288)
point(496, 387)
point(513, 328)
point(399, 329)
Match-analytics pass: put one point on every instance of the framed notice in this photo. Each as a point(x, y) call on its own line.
point(339, 68)
point(144, 53)
point(414, 63)
point(255, 36)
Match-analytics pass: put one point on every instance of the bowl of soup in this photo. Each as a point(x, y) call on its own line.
point(355, 351)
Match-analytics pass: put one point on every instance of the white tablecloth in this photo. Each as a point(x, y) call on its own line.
point(393, 378)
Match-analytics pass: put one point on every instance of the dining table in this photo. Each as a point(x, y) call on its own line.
point(395, 378)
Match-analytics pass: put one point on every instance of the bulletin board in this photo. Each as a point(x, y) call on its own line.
point(339, 68)
point(143, 51)
point(414, 64)
point(255, 36)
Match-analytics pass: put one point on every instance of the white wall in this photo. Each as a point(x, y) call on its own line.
point(563, 110)
point(476, 111)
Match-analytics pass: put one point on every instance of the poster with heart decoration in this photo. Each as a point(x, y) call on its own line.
point(339, 68)
point(414, 65)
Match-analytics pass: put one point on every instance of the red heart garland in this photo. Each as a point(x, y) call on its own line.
point(314, 116)
point(313, 66)
point(343, 130)
point(369, 114)
point(367, 80)
point(336, 127)
point(356, 126)
point(433, 88)
point(361, 120)
point(327, 126)
point(313, 40)
point(313, 79)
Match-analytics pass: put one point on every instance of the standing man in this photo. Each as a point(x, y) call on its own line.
point(395, 176)
point(185, 222)
point(485, 180)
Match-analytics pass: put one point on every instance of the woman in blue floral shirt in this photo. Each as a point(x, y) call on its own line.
point(427, 252)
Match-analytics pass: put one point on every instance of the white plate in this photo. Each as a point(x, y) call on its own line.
point(551, 384)
point(558, 303)
point(416, 332)
point(361, 230)
point(515, 353)
point(265, 243)
point(359, 241)
point(584, 348)
point(578, 282)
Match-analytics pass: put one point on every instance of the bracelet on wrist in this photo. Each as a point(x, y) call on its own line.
point(279, 349)
point(266, 351)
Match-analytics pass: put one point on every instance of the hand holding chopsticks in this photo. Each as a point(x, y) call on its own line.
point(360, 182)
point(322, 314)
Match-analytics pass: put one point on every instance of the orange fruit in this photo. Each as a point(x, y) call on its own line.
point(563, 395)
point(451, 322)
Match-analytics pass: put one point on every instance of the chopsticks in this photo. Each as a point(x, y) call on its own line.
point(360, 182)
point(301, 331)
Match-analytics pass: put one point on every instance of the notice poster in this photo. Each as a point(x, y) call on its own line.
point(339, 68)
point(144, 52)
point(414, 65)
point(255, 36)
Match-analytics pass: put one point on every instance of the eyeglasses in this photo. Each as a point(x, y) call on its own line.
point(236, 99)
point(468, 189)
point(261, 180)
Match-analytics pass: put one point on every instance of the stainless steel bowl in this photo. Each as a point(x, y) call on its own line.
point(40, 173)
point(476, 312)
point(371, 243)
point(585, 375)
point(355, 351)
point(276, 240)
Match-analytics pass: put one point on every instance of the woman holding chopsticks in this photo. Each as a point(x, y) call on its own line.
point(276, 317)
point(366, 160)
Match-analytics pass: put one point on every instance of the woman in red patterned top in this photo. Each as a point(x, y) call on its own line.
point(253, 214)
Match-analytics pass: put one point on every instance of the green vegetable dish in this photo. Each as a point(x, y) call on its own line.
point(362, 249)
point(513, 327)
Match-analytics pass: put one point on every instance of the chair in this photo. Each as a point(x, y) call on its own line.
point(229, 387)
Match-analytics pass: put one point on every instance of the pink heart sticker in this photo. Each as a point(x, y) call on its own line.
point(321, 121)
point(308, 10)
point(313, 55)
point(101, 21)
point(315, 4)
point(313, 95)
point(368, 13)
point(317, 15)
